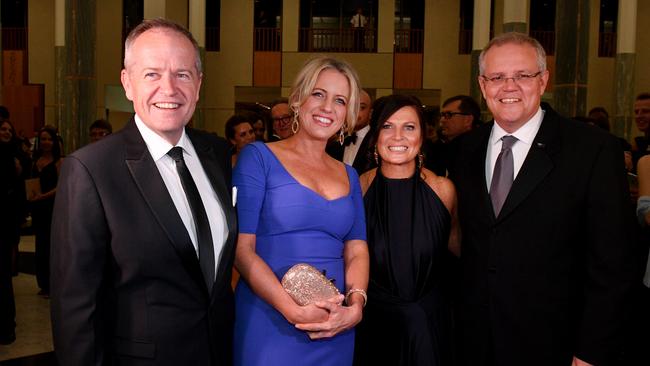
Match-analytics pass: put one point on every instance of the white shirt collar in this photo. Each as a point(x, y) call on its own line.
point(158, 146)
point(526, 133)
point(362, 132)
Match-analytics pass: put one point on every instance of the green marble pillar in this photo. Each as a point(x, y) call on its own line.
point(515, 27)
point(624, 91)
point(59, 86)
point(1, 58)
point(571, 56)
point(79, 86)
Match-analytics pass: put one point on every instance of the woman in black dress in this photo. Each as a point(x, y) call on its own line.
point(47, 163)
point(412, 227)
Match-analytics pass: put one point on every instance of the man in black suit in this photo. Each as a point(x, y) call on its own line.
point(354, 150)
point(144, 226)
point(547, 263)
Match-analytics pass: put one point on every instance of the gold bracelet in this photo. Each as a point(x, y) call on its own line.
point(357, 291)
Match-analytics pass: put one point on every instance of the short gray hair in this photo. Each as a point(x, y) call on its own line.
point(161, 24)
point(514, 38)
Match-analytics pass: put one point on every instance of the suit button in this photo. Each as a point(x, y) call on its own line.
point(492, 269)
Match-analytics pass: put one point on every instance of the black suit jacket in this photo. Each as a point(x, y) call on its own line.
point(549, 277)
point(361, 161)
point(127, 288)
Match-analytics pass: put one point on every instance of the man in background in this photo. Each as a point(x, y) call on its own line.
point(282, 119)
point(99, 129)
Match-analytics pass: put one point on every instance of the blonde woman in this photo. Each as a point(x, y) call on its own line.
point(297, 204)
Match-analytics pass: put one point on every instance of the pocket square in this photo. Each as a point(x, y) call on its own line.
point(234, 196)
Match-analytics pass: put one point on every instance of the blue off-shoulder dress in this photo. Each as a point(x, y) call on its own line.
point(293, 224)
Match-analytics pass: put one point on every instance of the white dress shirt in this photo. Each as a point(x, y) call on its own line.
point(158, 148)
point(350, 151)
point(525, 136)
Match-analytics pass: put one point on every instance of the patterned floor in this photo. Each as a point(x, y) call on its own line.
point(33, 345)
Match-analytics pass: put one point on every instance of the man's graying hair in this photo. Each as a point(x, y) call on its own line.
point(514, 38)
point(163, 25)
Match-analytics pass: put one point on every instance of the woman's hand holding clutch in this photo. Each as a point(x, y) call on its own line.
point(341, 318)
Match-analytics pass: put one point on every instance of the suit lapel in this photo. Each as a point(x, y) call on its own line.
point(212, 165)
point(537, 165)
point(148, 180)
point(477, 172)
point(361, 160)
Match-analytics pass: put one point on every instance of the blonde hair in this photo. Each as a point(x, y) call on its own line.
point(305, 81)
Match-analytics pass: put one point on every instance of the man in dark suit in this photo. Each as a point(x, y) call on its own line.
point(547, 251)
point(144, 226)
point(354, 150)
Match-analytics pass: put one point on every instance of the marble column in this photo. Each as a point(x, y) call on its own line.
point(197, 27)
point(480, 38)
point(624, 69)
point(59, 62)
point(79, 88)
point(515, 15)
point(571, 56)
point(1, 58)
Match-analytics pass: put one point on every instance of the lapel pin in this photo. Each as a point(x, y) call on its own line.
point(541, 145)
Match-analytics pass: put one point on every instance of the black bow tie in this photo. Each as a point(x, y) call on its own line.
point(350, 139)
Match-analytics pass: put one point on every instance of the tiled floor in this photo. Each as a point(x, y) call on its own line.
point(33, 329)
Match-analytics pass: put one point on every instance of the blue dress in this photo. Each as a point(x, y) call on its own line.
point(292, 224)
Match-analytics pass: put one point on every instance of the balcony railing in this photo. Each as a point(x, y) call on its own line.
point(14, 38)
point(546, 38)
point(337, 40)
point(268, 39)
point(409, 41)
point(212, 41)
point(607, 44)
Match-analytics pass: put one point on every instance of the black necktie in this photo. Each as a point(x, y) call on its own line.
point(503, 174)
point(203, 233)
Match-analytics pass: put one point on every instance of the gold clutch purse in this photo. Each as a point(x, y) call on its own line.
point(305, 284)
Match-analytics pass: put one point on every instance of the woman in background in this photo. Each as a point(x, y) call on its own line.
point(239, 132)
point(296, 204)
point(412, 226)
point(47, 164)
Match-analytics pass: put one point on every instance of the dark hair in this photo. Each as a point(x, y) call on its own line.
point(235, 121)
point(163, 24)
point(385, 107)
point(4, 113)
point(467, 105)
point(56, 147)
point(643, 96)
point(600, 122)
point(102, 124)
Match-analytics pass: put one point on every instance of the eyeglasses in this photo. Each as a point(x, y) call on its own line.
point(519, 79)
point(448, 115)
point(286, 118)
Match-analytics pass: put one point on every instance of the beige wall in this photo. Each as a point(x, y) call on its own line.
point(600, 90)
point(40, 51)
point(230, 67)
point(443, 67)
point(108, 51)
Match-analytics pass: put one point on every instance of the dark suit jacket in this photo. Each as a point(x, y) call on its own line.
point(549, 278)
point(127, 288)
point(361, 162)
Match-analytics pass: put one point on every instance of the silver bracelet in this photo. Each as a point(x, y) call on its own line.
point(357, 291)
